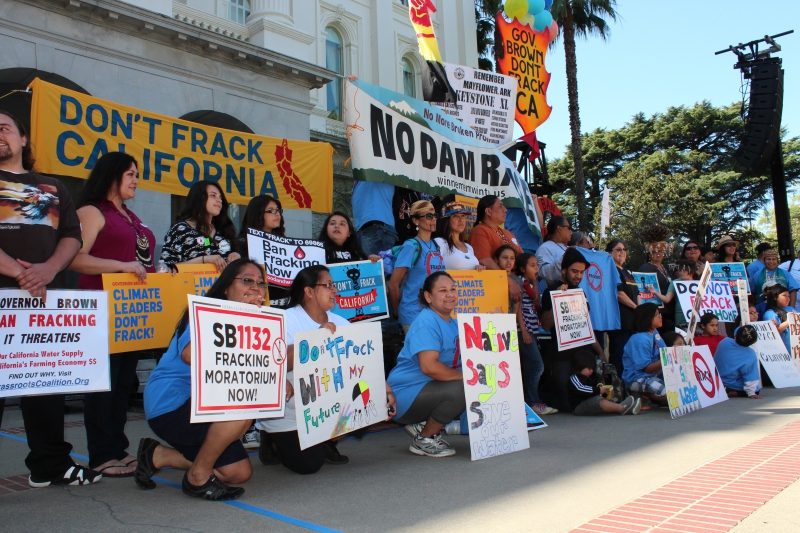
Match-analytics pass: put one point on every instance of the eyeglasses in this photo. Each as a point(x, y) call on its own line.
point(249, 282)
point(273, 211)
point(691, 248)
point(658, 314)
point(566, 226)
point(429, 216)
point(729, 245)
point(330, 285)
point(623, 250)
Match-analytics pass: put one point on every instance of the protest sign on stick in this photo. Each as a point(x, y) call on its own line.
point(774, 357)
point(142, 313)
point(238, 360)
point(492, 376)
point(680, 380)
point(360, 291)
point(705, 279)
point(717, 300)
point(571, 319)
point(645, 280)
point(283, 258)
point(481, 292)
point(744, 310)
point(339, 381)
point(57, 347)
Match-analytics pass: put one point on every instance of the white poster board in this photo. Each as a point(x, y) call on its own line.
point(718, 300)
point(794, 337)
point(238, 360)
point(571, 319)
point(744, 309)
point(339, 381)
point(492, 384)
point(705, 278)
point(283, 258)
point(486, 102)
point(680, 381)
point(774, 357)
point(710, 387)
point(55, 347)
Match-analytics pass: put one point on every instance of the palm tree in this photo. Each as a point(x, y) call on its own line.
point(584, 18)
point(485, 16)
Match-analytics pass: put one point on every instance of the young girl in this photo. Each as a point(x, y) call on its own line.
point(709, 327)
point(528, 320)
point(777, 307)
point(506, 258)
point(641, 360)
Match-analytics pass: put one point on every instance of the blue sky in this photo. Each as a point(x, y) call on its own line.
point(661, 54)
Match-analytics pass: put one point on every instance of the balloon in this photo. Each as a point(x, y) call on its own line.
point(535, 7)
point(516, 9)
point(548, 4)
point(553, 31)
point(543, 20)
point(527, 20)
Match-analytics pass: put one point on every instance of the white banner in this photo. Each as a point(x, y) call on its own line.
point(605, 216)
point(774, 357)
point(406, 142)
point(492, 384)
point(283, 258)
point(57, 347)
point(680, 381)
point(339, 381)
point(486, 102)
point(238, 360)
point(571, 317)
point(718, 300)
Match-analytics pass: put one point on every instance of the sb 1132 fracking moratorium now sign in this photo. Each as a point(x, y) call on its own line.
point(238, 360)
point(283, 258)
point(56, 347)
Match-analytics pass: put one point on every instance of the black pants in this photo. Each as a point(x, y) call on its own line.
point(106, 413)
point(44, 427)
point(561, 372)
point(443, 401)
point(308, 461)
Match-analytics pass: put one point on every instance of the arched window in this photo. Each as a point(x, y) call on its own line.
point(238, 10)
point(333, 61)
point(409, 79)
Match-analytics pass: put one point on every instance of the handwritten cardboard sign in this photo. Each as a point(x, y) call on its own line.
point(774, 357)
point(680, 380)
point(717, 300)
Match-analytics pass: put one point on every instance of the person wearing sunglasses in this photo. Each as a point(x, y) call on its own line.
point(628, 300)
point(691, 251)
point(418, 258)
point(211, 454)
point(641, 359)
point(313, 295)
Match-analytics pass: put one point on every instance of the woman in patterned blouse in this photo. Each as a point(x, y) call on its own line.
point(204, 233)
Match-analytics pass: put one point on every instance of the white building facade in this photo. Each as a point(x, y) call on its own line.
point(271, 67)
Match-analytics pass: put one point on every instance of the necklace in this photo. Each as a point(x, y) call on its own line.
point(661, 269)
point(143, 255)
point(429, 245)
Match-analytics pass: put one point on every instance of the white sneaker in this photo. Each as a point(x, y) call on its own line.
point(544, 409)
point(453, 428)
point(251, 438)
point(434, 446)
point(414, 429)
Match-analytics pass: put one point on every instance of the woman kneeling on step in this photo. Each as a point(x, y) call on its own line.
point(212, 454)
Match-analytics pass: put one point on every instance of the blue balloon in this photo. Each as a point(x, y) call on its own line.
point(543, 20)
point(536, 6)
point(548, 4)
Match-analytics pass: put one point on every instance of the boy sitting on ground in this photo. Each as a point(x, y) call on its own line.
point(586, 393)
point(737, 364)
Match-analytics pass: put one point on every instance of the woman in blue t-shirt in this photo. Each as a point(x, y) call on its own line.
point(418, 258)
point(212, 454)
point(427, 379)
point(641, 358)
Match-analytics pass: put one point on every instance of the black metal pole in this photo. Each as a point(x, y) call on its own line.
point(783, 223)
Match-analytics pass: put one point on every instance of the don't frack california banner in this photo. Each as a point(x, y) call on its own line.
point(70, 131)
point(407, 142)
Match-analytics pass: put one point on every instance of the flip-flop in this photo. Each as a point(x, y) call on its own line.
point(103, 471)
point(129, 463)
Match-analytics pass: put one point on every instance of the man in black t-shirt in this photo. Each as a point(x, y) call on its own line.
point(573, 266)
point(40, 235)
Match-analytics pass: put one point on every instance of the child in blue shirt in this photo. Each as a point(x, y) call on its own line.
point(737, 364)
point(641, 359)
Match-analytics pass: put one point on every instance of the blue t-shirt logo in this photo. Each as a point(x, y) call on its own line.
point(434, 263)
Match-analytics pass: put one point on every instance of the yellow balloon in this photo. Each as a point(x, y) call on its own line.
point(527, 20)
point(516, 8)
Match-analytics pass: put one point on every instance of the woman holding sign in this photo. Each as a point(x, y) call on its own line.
point(212, 454)
point(263, 213)
point(204, 232)
point(114, 240)
point(427, 379)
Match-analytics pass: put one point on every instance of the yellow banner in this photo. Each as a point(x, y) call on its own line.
point(204, 276)
point(70, 131)
point(481, 292)
point(142, 315)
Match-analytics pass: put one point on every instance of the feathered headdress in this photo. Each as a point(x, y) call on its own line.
point(657, 236)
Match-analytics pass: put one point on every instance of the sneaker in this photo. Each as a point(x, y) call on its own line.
point(434, 446)
point(213, 489)
point(453, 428)
point(628, 404)
point(414, 429)
point(75, 475)
point(250, 439)
point(637, 407)
point(266, 453)
point(544, 409)
point(332, 455)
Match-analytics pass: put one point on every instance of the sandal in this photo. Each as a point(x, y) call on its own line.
point(117, 474)
point(75, 475)
point(144, 468)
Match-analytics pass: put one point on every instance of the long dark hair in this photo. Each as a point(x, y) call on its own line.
point(553, 225)
point(690, 241)
point(105, 176)
point(350, 244)
point(643, 317)
point(195, 209)
point(444, 231)
point(308, 277)
point(217, 290)
point(483, 204)
point(27, 151)
point(254, 215)
point(772, 294)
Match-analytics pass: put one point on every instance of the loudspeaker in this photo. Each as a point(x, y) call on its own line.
point(762, 129)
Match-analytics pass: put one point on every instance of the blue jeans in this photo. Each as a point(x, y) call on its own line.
point(376, 238)
point(532, 367)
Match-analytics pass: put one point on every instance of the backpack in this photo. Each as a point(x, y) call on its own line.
point(390, 256)
point(609, 376)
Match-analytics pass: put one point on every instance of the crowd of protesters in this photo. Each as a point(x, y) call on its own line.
point(100, 235)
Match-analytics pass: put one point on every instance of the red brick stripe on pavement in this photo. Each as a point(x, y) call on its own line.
point(9, 485)
point(714, 497)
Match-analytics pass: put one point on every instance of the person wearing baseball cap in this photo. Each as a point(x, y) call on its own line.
point(737, 364)
point(450, 236)
point(573, 266)
point(754, 268)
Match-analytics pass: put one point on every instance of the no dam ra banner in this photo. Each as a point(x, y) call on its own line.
point(406, 142)
point(71, 131)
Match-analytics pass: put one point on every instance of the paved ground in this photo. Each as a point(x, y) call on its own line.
point(576, 471)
